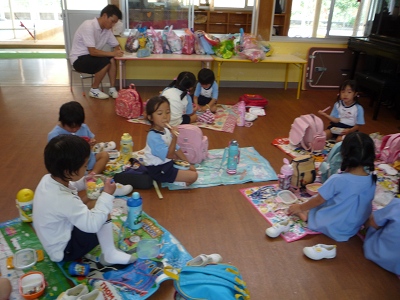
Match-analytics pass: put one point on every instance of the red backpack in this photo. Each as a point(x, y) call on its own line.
point(390, 148)
point(307, 131)
point(129, 103)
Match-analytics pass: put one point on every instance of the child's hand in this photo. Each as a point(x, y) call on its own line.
point(345, 132)
point(92, 142)
point(192, 168)
point(110, 186)
point(322, 113)
point(294, 209)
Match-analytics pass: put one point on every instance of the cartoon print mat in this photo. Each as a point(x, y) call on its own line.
point(142, 278)
point(225, 119)
point(212, 171)
point(16, 235)
point(264, 199)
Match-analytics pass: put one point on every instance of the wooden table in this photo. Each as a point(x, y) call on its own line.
point(287, 59)
point(205, 60)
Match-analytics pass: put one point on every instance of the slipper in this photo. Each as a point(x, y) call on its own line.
point(203, 260)
point(320, 251)
point(388, 169)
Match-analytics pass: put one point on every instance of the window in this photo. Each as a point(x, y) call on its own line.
point(332, 17)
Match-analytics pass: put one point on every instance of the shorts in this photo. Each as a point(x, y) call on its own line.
point(203, 101)
point(79, 244)
point(90, 64)
point(163, 173)
point(339, 125)
point(185, 119)
point(92, 161)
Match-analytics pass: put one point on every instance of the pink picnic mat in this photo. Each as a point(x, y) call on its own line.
point(225, 119)
point(263, 198)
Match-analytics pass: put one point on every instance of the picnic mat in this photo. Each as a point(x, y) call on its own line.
point(225, 119)
point(263, 198)
point(135, 281)
point(212, 171)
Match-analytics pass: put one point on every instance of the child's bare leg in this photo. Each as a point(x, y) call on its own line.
point(303, 215)
point(102, 159)
point(328, 134)
point(187, 176)
point(193, 118)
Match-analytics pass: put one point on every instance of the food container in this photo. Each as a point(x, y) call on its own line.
point(94, 185)
point(32, 285)
point(286, 197)
point(312, 188)
point(24, 258)
point(148, 248)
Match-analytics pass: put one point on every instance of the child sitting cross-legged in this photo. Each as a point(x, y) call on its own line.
point(67, 226)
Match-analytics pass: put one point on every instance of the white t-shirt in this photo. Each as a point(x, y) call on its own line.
point(178, 107)
point(57, 209)
point(89, 34)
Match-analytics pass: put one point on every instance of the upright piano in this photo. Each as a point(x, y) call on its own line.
point(378, 72)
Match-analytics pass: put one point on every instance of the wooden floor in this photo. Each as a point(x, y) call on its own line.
point(204, 220)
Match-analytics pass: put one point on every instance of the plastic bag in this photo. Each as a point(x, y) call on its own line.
point(173, 40)
point(255, 55)
point(132, 42)
point(187, 42)
point(225, 49)
point(198, 48)
point(206, 46)
point(156, 40)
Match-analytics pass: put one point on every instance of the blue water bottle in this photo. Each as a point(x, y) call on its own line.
point(134, 203)
point(233, 157)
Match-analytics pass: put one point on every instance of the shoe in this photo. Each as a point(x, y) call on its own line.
point(203, 260)
point(278, 228)
point(74, 293)
point(98, 94)
point(109, 146)
point(93, 295)
point(122, 190)
point(320, 251)
point(113, 93)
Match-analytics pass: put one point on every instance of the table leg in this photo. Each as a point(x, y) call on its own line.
point(286, 76)
point(219, 71)
point(300, 83)
point(120, 74)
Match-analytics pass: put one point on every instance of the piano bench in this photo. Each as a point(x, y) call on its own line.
point(383, 85)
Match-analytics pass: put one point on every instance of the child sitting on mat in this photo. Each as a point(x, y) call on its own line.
point(67, 226)
point(382, 242)
point(206, 92)
point(180, 100)
point(344, 201)
point(161, 146)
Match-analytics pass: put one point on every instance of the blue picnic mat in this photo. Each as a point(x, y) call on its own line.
point(252, 167)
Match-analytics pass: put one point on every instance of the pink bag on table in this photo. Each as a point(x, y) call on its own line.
point(187, 42)
point(157, 41)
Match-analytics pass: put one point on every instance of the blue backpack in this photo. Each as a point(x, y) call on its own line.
point(332, 163)
point(211, 282)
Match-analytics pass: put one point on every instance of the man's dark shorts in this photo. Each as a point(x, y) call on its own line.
point(90, 64)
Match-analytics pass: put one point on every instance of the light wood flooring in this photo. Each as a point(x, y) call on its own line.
point(204, 220)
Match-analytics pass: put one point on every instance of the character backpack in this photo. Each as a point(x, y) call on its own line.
point(332, 163)
point(307, 131)
point(192, 142)
point(129, 103)
point(390, 148)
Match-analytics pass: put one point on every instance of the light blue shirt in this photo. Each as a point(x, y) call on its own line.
point(211, 92)
point(350, 115)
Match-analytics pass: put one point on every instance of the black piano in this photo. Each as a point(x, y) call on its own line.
point(376, 65)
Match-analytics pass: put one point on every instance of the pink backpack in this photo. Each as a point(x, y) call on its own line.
point(129, 103)
point(192, 142)
point(307, 131)
point(390, 148)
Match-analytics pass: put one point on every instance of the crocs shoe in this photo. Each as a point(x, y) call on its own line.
point(109, 146)
point(98, 95)
point(320, 251)
point(203, 260)
point(74, 293)
point(278, 228)
point(113, 94)
point(93, 295)
point(122, 190)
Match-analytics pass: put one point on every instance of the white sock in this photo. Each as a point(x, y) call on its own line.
point(95, 90)
point(111, 254)
point(113, 89)
point(79, 185)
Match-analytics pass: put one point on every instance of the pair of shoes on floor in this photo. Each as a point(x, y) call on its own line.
point(320, 251)
point(81, 292)
point(96, 93)
point(122, 190)
point(203, 260)
point(108, 146)
point(278, 228)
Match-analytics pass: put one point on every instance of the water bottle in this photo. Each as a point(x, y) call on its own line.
point(242, 113)
point(134, 203)
point(285, 175)
point(126, 148)
point(233, 157)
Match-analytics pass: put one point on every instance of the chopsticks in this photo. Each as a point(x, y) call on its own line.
point(326, 109)
point(173, 131)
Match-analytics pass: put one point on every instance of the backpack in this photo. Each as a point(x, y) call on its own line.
point(253, 100)
point(211, 282)
point(129, 103)
point(390, 148)
point(303, 170)
point(192, 142)
point(332, 163)
point(307, 131)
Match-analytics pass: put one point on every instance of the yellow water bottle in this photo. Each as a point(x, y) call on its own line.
point(24, 203)
point(126, 148)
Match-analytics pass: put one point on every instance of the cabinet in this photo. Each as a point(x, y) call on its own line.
point(222, 22)
point(281, 21)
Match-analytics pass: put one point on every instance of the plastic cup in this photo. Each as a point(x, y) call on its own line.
point(94, 185)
